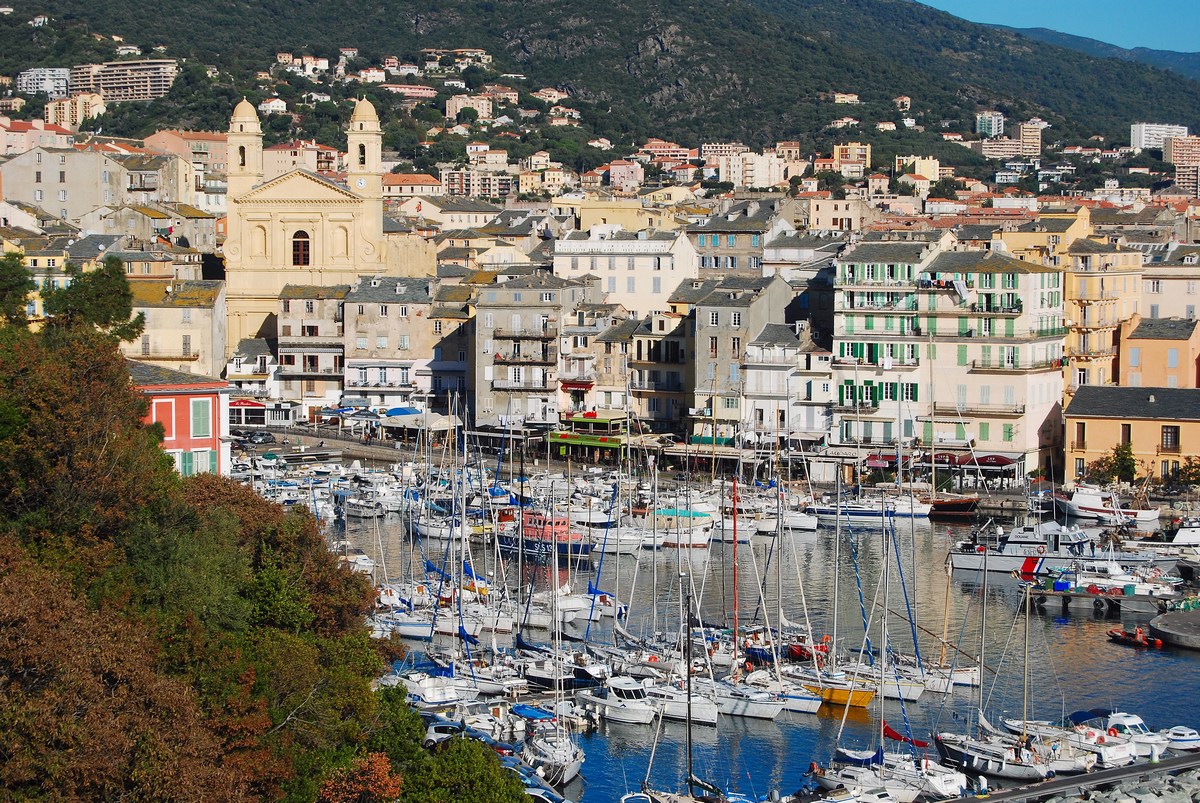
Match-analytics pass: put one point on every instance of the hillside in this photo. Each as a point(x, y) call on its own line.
point(750, 69)
point(1186, 64)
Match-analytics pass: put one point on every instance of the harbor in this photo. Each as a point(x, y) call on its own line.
point(1043, 659)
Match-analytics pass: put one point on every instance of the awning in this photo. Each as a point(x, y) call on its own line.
point(986, 461)
point(247, 403)
point(938, 458)
point(403, 411)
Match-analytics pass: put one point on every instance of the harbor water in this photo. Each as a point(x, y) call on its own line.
point(1071, 665)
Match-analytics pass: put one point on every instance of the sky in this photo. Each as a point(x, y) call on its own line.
point(1162, 24)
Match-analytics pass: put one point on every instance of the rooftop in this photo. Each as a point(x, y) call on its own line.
point(1110, 401)
point(1164, 329)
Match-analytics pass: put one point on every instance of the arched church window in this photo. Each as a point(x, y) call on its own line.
point(301, 249)
point(241, 155)
point(362, 155)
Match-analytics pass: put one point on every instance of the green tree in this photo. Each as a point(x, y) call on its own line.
point(100, 299)
point(944, 188)
point(465, 771)
point(16, 284)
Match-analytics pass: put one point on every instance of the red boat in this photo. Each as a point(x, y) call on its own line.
point(1135, 638)
point(806, 650)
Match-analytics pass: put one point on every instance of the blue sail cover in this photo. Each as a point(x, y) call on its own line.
point(432, 569)
point(855, 758)
point(470, 573)
point(467, 637)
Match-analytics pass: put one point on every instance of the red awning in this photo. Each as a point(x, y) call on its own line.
point(987, 460)
point(576, 385)
point(246, 403)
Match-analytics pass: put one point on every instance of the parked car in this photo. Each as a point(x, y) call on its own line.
point(261, 436)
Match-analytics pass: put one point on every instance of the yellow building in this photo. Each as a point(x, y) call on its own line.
point(1046, 239)
point(630, 214)
point(1161, 425)
point(1103, 286)
point(303, 228)
point(1159, 352)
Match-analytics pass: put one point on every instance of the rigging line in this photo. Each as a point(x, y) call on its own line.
point(862, 605)
point(912, 619)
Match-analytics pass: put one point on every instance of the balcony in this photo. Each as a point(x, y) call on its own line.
point(296, 371)
point(406, 384)
point(980, 410)
point(947, 284)
point(1100, 295)
point(650, 361)
point(1094, 325)
point(865, 407)
point(1078, 446)
point(898, 364)
point(876, 284)
point(540, 333)
point(1164, 448)
point(1091, 353)
point(1002, 367)
point(300, 341)
point(904, 305)
point(662, 385)
point(166, 355)
point(550, 357)
point(789, 360)
point(982, 309)
point(527, 386)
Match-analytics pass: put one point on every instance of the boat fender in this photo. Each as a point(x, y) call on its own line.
point(1090, 734)
point(653, 659)
point(826, 638)
point(1112, 731)
point(1041, 550)
point(749, 667)
point(981, 549)
point(1099, 740)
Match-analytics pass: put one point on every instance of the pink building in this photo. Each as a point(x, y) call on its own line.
point(625, 174)
point(193, 411)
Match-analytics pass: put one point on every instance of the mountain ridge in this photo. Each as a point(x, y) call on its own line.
point(749, 69)
point(1185, 63)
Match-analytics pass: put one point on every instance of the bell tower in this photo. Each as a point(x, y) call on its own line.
point(245, 164)
point(364, 143)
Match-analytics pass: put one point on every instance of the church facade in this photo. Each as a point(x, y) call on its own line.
point(302, 228)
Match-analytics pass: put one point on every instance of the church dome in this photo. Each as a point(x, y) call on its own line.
point(245, 111)
point(364, 112)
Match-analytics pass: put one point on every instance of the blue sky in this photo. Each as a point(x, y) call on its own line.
point(1162, 24)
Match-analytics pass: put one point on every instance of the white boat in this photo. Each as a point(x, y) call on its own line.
point(936, 780)
point(1091, 502)
point(618, 540)
point(796, 698)
point(672, 701)
point(799, 520)
point(621, 699)
point(856, 778)
point(1033, 549)
point(740, 700)
point(991, 755)
point(429, 691)
point(554, 755)
point(1146, 742)
point(1111, 749)
point(1182, 737)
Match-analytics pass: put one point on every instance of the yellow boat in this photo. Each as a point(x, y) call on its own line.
point(841, 696)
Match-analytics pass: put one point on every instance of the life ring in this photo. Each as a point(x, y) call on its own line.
point(1112, 731)
point(826, 638)
point(749, 667)
point(1041, 550)
point(653, 659)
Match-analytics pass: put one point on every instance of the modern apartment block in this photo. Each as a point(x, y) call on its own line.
point(989, 124)
point(117, 81)
point(1151, 135)
point(50, 81)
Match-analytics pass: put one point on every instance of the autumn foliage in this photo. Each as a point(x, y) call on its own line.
point(165, 639)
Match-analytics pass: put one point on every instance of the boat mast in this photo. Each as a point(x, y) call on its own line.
point(831, 657)
point(735, 574)
point(686, 584)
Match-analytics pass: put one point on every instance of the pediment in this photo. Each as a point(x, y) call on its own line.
point(298, 186)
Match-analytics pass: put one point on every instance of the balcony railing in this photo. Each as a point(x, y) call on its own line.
point(662, 385)
point(1091, 353)
point(312, 340)
point(548, 358)
point(1106, 295)
point(1165, 448)
point(519, 385)
point(1078, 446)
point(166, 355)
point(860, 407)
point(979, 409)
point(539, 333)
point(1007, 367)
point(898, 364)
point(400, 384)
point(287, 371)
point(850, 281)
point(578, 376)
point(982, 309)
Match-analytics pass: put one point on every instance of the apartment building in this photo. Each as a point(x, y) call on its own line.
point(659, 353)
point(580, 349)
point(49, 81)
point(1171, 289)
point(70, 112)
point(638, 270)
point(989, 124)
point(1103, 289)
point(1151, 135)
point(733, 242)
point(1159, 353)
point(132, 79)
point(788, 379)
point(481, 105)
point(726, 314)
point(952, 348)
point(23, 135)
point(1184, 153)
point(1161, 425)
point(388, 339)
point(516, 362)
point(311, 345)
point(185, 325)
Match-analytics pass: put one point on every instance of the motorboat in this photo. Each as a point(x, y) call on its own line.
point(859, 777)
point(1146, 742)
point(1182, 737)
point(543, 534)
point(1086, 501)
point(672, 701)
point(620, 699)
point(740, 700)
point(1032, 549)
point(1111, 749)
